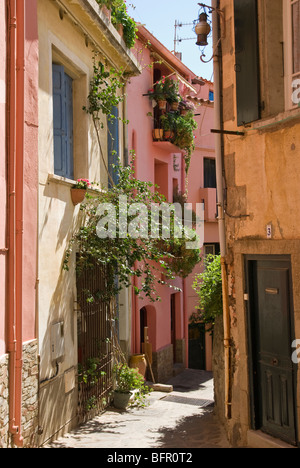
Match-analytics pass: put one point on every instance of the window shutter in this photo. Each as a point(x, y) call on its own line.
point(113, 145)
point(247, 61)
point(69, 126)
point(58, 119)
point(62, 122)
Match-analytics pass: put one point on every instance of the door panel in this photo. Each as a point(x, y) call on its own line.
point(271, 342)
point(197, 346)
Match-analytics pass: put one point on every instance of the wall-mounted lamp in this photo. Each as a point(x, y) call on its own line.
point(202, 29)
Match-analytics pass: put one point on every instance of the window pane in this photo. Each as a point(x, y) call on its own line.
point(296, 36)
point(210, 173)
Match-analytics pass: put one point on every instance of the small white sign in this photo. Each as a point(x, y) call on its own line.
point(269, 231)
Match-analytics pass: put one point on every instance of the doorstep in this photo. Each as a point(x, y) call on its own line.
point(258, 439)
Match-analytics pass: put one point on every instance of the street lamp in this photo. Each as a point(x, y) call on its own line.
point(202, 29)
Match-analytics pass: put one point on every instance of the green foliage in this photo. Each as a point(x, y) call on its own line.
point(105, 91)
point(119, 16)
point(90, 373)
point(172, 90)
point(208, 286)
point(165, 89)
point(168, 121)
point(183, 127)
point(127, 256)
point(129, 379)
point(184, 135)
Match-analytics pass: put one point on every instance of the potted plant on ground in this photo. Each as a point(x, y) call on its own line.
point(130, 387)
point(79, 190)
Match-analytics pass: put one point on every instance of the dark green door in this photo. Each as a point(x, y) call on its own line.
point(272, 336)
point(197, 346)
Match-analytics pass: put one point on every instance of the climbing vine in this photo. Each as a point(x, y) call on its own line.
point(141, 255)
point(129, 242)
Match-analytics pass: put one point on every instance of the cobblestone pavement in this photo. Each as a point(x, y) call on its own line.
point(181, 419)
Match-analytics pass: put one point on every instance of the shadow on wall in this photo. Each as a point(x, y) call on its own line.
point(58, 352)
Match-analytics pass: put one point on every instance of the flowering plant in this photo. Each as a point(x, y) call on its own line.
point(158, 92)
point(82, 184)
point(186, 105)
point(165, 89)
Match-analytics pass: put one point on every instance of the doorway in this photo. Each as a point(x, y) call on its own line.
point(143, 324)
point(271, 332)
point(197, 356)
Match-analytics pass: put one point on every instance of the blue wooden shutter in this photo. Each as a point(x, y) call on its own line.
point(62, 122)
point(113, 145)
point(247, 61)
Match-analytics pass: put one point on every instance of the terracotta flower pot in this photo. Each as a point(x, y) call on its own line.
point(168, 135)
point(158, 134)
point(121, 30)
point(77, 195)
point(106, 11)
point(162, 105)
point(174, 106)
point(138, 361)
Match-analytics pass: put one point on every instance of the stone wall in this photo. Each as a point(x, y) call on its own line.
point(29, 397)
point(4, 410)
point(30, 393)
point(163, 364)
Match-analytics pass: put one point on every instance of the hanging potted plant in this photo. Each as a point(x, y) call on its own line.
point(168, 124)
point(185, 107)
point(130, 387)
point(184, 138)
point(79, 190)
point(157, 132)
point(157, 94)
point(172, 93)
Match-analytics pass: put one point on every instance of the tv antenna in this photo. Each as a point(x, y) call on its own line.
point(179, 24)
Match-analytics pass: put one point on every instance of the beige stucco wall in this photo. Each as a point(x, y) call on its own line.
point(63, 41)
point(261, 173)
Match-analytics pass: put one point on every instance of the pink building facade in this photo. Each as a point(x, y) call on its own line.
point(18, 228)
point(162, 163)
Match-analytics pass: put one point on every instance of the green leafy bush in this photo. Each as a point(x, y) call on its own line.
point(130, 380)
point(143, 256)
point(208, 286)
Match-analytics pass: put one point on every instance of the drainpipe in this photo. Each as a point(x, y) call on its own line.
point(221, 210)
point(15, 206)
point(184, 282)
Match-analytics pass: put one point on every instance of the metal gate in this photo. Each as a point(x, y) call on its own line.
point(96, 333)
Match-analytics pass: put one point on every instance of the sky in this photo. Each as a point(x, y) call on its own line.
point(159, 17)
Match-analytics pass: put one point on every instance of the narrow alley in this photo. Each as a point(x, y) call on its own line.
point(181, 419)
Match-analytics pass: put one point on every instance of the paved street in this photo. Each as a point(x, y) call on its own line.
point(181, 419)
